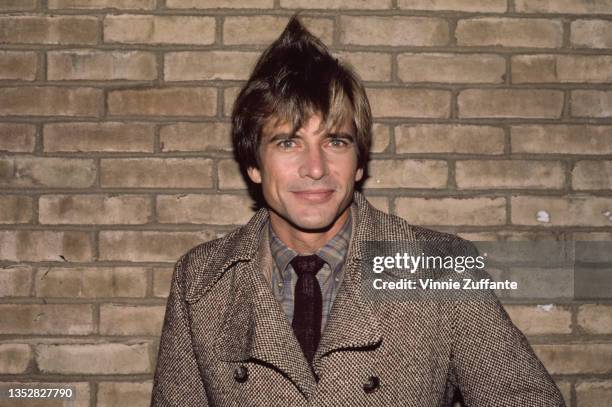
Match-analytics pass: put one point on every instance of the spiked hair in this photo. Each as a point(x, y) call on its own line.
point(294, 78)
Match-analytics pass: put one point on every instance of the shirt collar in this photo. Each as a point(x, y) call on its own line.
point(333, 252)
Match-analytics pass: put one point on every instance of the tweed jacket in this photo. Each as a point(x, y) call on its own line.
point(226, 341)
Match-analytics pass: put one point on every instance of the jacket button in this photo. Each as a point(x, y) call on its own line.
point(371, 385)
point(241, 374)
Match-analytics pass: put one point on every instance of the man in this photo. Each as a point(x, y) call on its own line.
point(273, 314)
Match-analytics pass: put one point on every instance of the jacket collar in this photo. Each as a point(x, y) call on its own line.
point(254, 324)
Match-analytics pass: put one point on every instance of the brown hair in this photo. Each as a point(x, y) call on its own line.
point(293, 79)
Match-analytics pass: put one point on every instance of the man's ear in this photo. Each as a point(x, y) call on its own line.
point(358, 174)
point(254, 175)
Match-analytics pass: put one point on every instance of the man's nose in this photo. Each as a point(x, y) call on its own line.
point(314, 163)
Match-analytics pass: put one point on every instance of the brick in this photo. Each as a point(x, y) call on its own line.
point(482, 236)
point(402, 102)
point(380, 138)
point(451, 68)
point(148, 29)
point(478, 6)
point(101, 65)
point(50, 101)
point(131, 320)
point(229, 96)
point(80, 389)
point(262, 30)
point(576, 358)
point(94, 209)
point(370, 66)
point(592, 236)
point(564, 6)
point(336, 4)
point(591, 103)
point(17, 137)
point(48, 319)
point(537, 320)
point(509, 32)
point(501, 174)
point(219, 4)
point(104, 358)
point(48, 30)
point(15, 209)
point(214, 136)
point(592, 175)
point(561, 139)
point(98, 4)
point(208, 65)
point(47, 245)
point(593, 394)
point(16, 281)
point(449, 138)
point(91, 282)
point(229, 209)
point(134, 394)
point(407, 174)
point(561, 68)
point(452, 211)
point(534, 68)
point(379, 202)
point(510, 236)
point(18, 65)
point(46, 172)
point(14, 358)
point(229, 175)
point(586, 251)
point(15, 5)
point(509, 103)
point(149, 245)
point(106, 137)
point(577, 210)
point(156, 173)
point(566, 391)
point(162, 277)
point(394, 31)
point(591, 33)
point(547, 283)
point(174, 101)
point(595, 319)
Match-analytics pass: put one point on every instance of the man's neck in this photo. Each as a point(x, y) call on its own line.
point(304, 242)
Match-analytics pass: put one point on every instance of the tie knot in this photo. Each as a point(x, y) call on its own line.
point(307, 264)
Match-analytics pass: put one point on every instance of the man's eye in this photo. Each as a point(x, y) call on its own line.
point(287, 143)
point(338, 142)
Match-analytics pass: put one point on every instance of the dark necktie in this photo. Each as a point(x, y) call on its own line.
point(308, 304)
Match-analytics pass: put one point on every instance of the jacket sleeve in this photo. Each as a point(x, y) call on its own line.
point(177, 381)
point(492, 362)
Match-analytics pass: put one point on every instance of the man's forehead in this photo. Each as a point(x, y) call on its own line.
point(276, 125)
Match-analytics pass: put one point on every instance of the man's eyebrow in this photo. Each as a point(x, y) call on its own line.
point(281, 136)
point(285, 136)
point(342, 134)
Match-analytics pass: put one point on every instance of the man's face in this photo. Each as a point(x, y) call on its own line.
point(307, 177)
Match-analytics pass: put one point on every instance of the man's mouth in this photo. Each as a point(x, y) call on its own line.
point(314, 195)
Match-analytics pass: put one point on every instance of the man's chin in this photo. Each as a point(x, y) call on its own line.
point(313, 223)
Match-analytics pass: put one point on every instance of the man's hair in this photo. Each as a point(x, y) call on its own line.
point(293, 79)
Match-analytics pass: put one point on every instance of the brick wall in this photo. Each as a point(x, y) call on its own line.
point(114, 150)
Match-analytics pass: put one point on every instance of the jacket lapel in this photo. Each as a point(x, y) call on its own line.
point(352, 323)
point(255, 326)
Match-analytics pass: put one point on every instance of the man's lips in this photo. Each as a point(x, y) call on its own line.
point(314, 195)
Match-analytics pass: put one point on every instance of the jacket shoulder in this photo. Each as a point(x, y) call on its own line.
point(200, 267)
